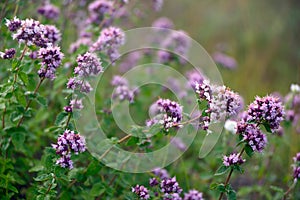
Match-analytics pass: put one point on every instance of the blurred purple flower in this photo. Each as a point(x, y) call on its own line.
point(224, 60)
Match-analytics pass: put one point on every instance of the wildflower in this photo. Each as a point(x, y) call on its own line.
point(31, 32)
point(157, 5)
point(163, 22)
point(178, 143)
point(52, 34)
point(8, 54)
point(65, 161)
point(195, 76)
point(51, 59)
point(225, 60)
point(81, 85)
point(231, 126)
point(295, 88)
point(14, 24)
point(88, 65)
point(118, 81)
point(49, 11)
point(153, 182)
point(69, 142)
point(123, 93)
point(233, 159)
point(252, 135)
point(296, 173)
point(98, 9)
point(172, 113)
point(173, 196)
point(266, 110)
point(161, 173)
point(170, 185)
point(68, 109)
point(76, 104)
point(203, 90)
point(84, 40)
point(141, 191)
point(130, 61)
point(193, 195)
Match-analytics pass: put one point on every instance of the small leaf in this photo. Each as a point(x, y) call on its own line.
point(43, 177)
point(222, 170)
point(277, 189)
point(267, 127)
point(18, 140)
point(97, 189)
point(41, 100)
point(231, 195)
point(61, 117)
point(249, 150)
point(132, 141)
point(23, 77)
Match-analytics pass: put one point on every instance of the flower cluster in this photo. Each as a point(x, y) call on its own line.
point(195, 76)
point(224, 60)
point(141, 191)
point(88, 65)
point(203, 90)
point(296, 167)
point(109, 41)
point(32, 32)
point(122, 89)
point(8, 54)
point(193, 195)
point(84, 40)
point(170, 185)
point(163, 22)
point(173, 196)
point(161, 173)
point(68, 143)
point(268, 110)
point(98, 9)
point(172, 113)
point(157, 5)
point(79, 84)
point(49, 11)
point(233, 159)
point(292, 104)
point(252, 135)
point(51, 57)
point(178, 43)
point(52, 34)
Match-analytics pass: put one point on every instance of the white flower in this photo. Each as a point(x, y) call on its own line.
point(231, 126)
point(295, 88)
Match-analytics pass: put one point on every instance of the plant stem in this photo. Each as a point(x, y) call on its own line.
point(29, 101)
point(289, 190)
point(229, 175)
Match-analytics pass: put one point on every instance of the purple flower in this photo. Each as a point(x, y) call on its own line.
point(76, 104)
point(157, 5)
point(65, 161)
point(49, 11)
point(161, 173)
point(173, 196)
point(193, 195)
point(78, 84)
point(52, 34)
point(88, 65)
point(123, 93)
point(252, 135)
point(225, 60)
point(118, 81)
point(296, 173)
point(194, 76)
point(153, 182)
point(170, 185)
point(297, 158)
point(33, 55)
point(8, 54)
point(51, 59)
point(172, 113)
point(98, 9)
point(68, 109)
point(163, 22)
point(141, 191)
point(84, 40)
point(14, 24)
point(233, 159)
point(69, 142)
point(130, 61)
point(266, 110)
point(111, 37)
point(203, 90)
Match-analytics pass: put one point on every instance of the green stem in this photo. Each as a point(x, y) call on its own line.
point(229, 175)
point(289, 190)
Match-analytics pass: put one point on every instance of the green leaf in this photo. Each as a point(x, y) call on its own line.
point(41, 100)
point(97, 189)
point(132, 141)
point(23, 76)
point(267, 127)
point(44, 177)
point(231, 195)
point(18, 140)
point(277, 189)
point(61, 117)
point(93, 168)
point(249, 151)
point(12, 188)
point(238, 168)
point(222, 170)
